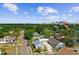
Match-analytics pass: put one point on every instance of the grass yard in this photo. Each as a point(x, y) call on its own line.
point(9, 49)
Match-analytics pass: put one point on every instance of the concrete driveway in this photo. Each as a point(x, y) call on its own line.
point(49, 47)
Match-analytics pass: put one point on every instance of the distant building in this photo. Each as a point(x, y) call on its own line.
point(7, 39)
point(66, 24)
point(61, 39)
point(61, 22)
point(38, 44)
point(36, 34)
point(55, 43)
point(56, 35)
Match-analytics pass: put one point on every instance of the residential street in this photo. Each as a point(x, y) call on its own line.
point(24, 47)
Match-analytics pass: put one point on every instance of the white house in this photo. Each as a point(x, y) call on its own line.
point(38, 44)
point(7, 39)
point(3, 40)
point(60, 45)
point(36, 34)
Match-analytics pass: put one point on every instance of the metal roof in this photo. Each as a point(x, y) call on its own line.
point(53, 42)
point(37, 42)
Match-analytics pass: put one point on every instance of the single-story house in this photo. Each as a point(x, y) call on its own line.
point(36, 34)
point(61, 38)
point(7, 39)
point(56, 35)
point(2, 40)
point(55, 43)
point(38, 44)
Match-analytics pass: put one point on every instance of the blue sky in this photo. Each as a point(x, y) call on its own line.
point(39, 12)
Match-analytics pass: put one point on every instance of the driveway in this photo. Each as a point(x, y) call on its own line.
point(49, 47)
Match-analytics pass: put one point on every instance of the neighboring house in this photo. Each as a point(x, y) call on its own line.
point(36, 34)
point(7, 39)
point(42, 36)
point(38, 44)
point(56, 35)
point(55, 43)
point(61, 38)
point(2, 40)
point(61, 23)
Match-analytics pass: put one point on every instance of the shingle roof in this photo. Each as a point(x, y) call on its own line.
point(53, 42)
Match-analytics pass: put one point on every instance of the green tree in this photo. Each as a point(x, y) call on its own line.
point(39, 28)
point(47, 33)
point(69, 42)
point(29, 34)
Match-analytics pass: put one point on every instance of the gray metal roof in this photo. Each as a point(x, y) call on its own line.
point(53, 42)
point(37, 42)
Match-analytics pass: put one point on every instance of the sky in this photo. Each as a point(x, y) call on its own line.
point(39, 12)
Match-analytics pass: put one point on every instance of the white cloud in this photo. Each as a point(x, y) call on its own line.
point(11, 7)
point(28, 17)
point(64, 15)
point(46, 10)
point(26, 13)
point(15, 12)
point(53, 18)
point(40, 9)
point(63, 18)
point(70, 15)
point(75, 9)
point(70, 10)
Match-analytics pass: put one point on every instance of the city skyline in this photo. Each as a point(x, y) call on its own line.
point(39, 12)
